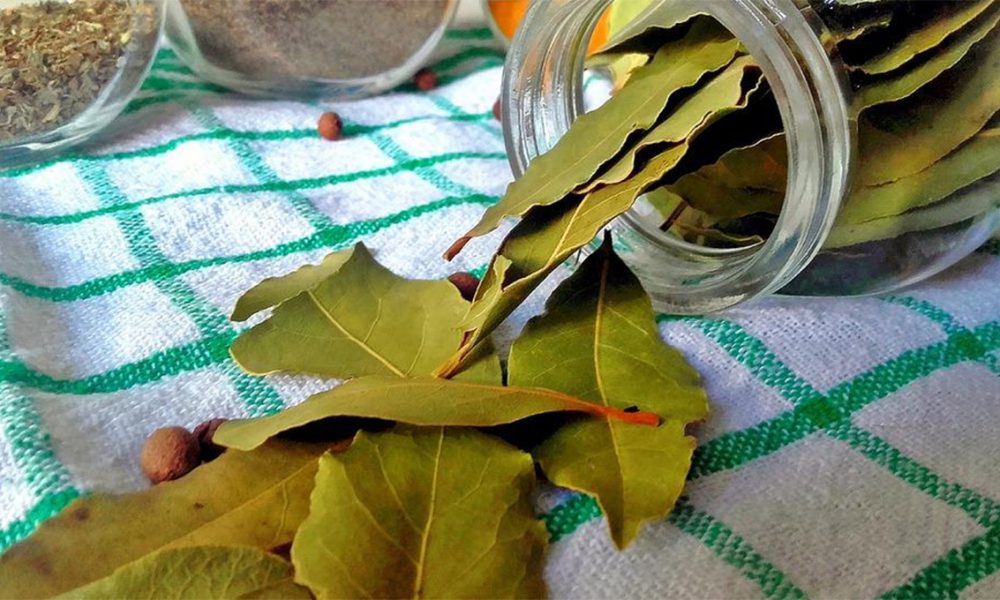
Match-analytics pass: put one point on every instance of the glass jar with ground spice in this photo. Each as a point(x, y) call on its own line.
point(67, 68)
point(307, 48)
point(746, 147)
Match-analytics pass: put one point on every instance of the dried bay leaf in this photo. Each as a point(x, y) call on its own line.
point(596, 137)
point(362, 320)
point(254, 498)
point(906, 137)
point(546, 237)
point(720, 96)
point(762, 166)
point(926, 38)
point(977, 159)
point(970, 203)
point(598, 339)
point(883, 91)
point(204, 572)
point(419, 401)
point(423, 513)
point(275, 290)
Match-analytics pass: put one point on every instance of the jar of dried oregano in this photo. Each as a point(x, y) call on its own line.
point(307, 48)
point(67, 68)
point(816, 147)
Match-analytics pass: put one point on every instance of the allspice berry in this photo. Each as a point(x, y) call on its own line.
point(425, 80)
point(497, 111)
point(204, 432)
point(331, 126)
point(170, 453)
point(467, 283)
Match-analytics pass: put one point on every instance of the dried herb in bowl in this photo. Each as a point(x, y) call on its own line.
point(56, 58)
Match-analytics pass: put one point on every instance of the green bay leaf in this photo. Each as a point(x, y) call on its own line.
point(598, 340)
point(362, 320)
point(546, 237)
point(424, 401)
point(254, 498)
point(203, 572)
point(275, 290)
point(596, 137)
point(903, 138)
point(423, 513)
point(926, 38)
point(882, 91)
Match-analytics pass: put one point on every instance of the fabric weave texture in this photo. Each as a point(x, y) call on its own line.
point(852, 451)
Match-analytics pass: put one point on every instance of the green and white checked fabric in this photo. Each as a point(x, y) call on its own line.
point(852, 452)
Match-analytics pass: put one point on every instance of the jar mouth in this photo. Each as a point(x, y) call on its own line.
point(543, 84)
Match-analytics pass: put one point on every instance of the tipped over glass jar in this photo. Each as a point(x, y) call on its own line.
point(865, 158)
point(307, 48)
point(68, 68)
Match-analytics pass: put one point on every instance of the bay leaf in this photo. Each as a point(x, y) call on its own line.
point(596, 137)
point(726, 92)
point(424, 401)
point(883, 91)
point(423, 513)
point(970, 203)
point(362, 320)
point(275, 290)
point(724, 202)
point(546, 237)
point(903, 138)
point(598, 339)
point(977, 159)
point(926, 38)
point(618, 66)
point(203, 572)
point(254, 498)
point(761, 166)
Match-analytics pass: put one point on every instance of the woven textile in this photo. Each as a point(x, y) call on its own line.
point(852, 452)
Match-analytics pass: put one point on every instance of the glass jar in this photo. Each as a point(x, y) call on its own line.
point(68, 68)
point(307, 48)
point(840, 228)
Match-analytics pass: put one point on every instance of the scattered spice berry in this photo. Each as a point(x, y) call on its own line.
point(425, 80)
point(170, 453)
point(497, 111)
point(204, 432)
point(331, 127)
point(467, 283)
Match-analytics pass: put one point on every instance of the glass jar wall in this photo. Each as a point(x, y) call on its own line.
point(865, 159)
point(307, 48)
point(68, 68)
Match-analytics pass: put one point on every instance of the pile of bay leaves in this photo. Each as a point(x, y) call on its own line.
point(415, 476)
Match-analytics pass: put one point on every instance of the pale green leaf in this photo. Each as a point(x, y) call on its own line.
point(423, 513)
point(254, 498)
point(723, 94)
point(596, 137)
point(598, 340)
point(420, 401)
point(203, 572)
point(927, 38)
point(362, 320)
point(275, 290)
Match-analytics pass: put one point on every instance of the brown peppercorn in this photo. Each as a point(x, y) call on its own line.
point(204, 432)
point(170, 453)
point(466, 284)
point(425, 80)
point(497, 111)
point(331, 127)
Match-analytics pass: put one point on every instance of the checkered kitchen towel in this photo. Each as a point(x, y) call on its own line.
point(853, 451)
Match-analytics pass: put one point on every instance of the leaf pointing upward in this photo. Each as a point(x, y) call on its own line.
point(275, 290)
point(598, 340)
point(420, 401)
point(423, 513)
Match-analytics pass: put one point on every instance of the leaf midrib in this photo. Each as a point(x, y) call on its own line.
point(418, 579)
point(360, 343)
